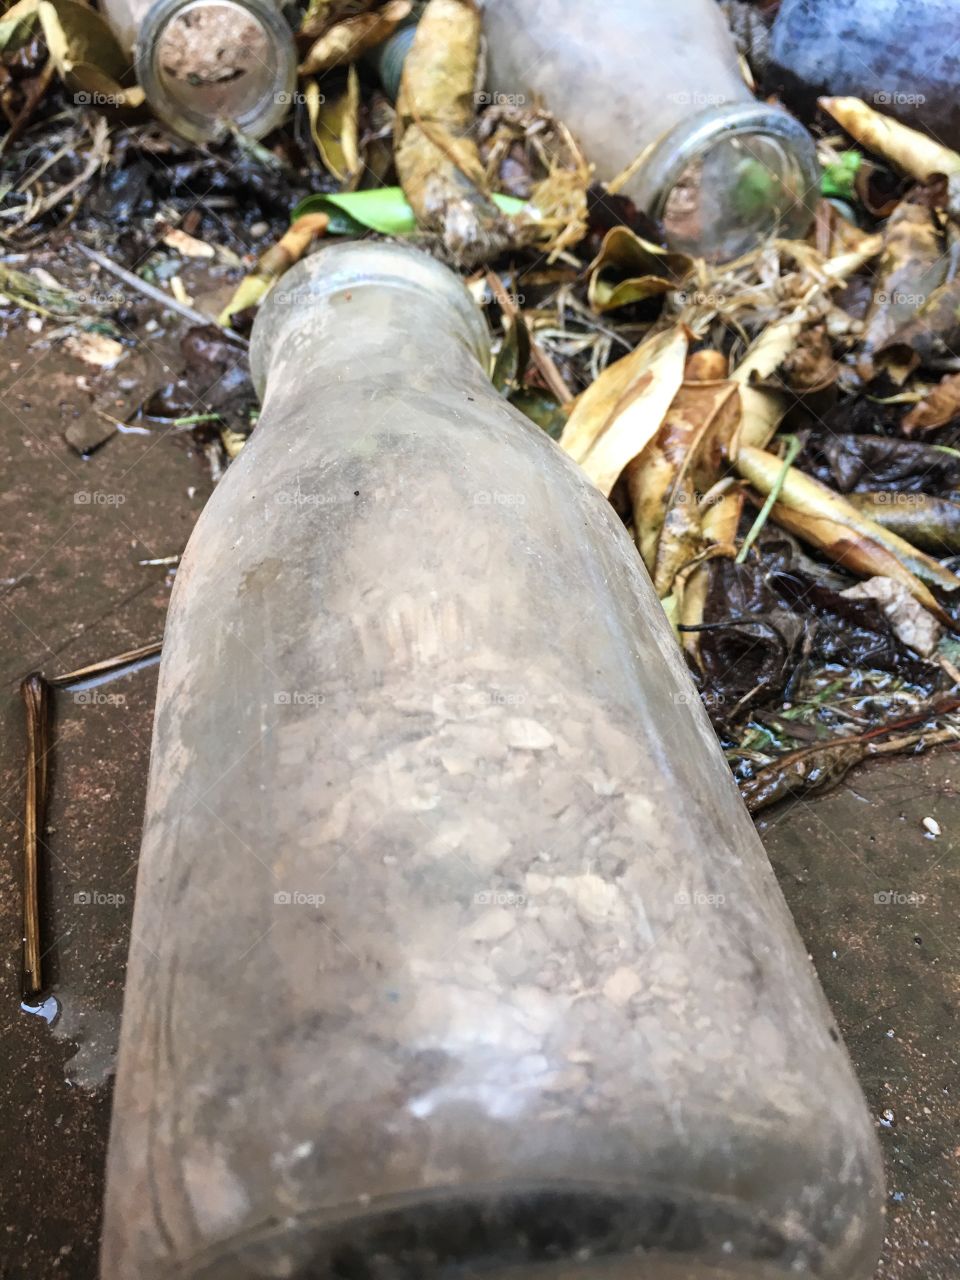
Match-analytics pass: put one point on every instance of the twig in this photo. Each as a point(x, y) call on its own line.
point(98, 156)
point(548, 370)
point(35, 693)
point(152, 292)
point(40, 86)
point(108, 666)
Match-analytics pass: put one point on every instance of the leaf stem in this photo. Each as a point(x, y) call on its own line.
point(793, 448)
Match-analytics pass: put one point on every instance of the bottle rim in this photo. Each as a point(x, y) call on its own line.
point(671, 156)
point(345, 268)
point(266, 113)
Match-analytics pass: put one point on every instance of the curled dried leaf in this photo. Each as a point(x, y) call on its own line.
point(345, 42)
point(915, 153)
point(937, 408)
point(923, 520)
point(827, 521)
point(670, 478)
point(620, 412)
point(628, 269)
point(436, 155)
point(763, 408)
point(931, 334)
point(911, 266)
point(334, 128)
point(289, 249)
point(86, 53)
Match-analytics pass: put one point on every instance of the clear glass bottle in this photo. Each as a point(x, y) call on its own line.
point(455, 951)
point(640, 78)
point(207, 65)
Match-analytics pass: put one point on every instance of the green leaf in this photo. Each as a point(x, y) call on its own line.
point(839, 178)
point(384, 209)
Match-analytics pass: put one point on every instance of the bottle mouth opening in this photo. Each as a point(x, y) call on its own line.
point(207, 65)
point(552, 1232)
point(730, 177)
point(337, 272)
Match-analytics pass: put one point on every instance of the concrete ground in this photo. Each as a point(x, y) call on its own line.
point(874, 895)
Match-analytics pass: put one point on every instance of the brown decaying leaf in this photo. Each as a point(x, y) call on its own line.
point(690, 590)
point(762, 408)
point(911, 623)
point(936, 409)
point(621, 411)
point(707, 365)
point(811, 365)
point(722, 509)
point(628, 269)
point(438, 162)
point(823, 765)
point(347, 40)
point(84, 51)
point(911, 266)
point(931, 334)
point(854, 551)
point(669, 479)
point(923, 520)
point(813, 768)
point(822, 518)
point(321, 15)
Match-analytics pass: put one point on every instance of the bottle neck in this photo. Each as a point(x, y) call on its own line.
point(372, 312)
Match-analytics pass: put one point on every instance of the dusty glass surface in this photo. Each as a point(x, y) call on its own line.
point(454, 950)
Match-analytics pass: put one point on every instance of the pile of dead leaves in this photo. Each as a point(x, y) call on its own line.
point(782, 445)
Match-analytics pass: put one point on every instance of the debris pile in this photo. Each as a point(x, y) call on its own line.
point(780, 432)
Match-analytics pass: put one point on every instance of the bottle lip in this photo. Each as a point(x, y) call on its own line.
point(345, 268)
point(670, 156)
point(266, 113)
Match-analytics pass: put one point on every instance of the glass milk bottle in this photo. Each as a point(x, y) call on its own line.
point(658, 86)
point(208, 65)
point(455, 951)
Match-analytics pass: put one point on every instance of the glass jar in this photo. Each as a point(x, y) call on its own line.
point(658, 86)
point(455, 951)
point(208, 65)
